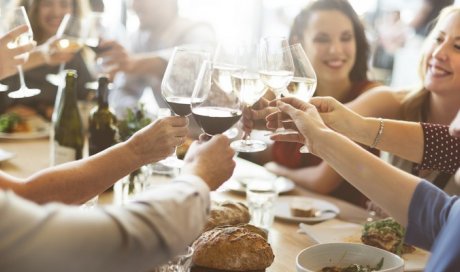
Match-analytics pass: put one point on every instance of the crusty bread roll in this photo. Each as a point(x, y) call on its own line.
point(231, 249)
point(227, 213)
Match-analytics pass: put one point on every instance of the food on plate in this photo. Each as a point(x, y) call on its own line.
point(13, 123)
point(302, 208)
point(354, 268)
point(227, 213)
point(231, 248)
point(386, 234)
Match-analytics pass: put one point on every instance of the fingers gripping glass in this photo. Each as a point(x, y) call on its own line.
point(18, 17)
point(178, 84)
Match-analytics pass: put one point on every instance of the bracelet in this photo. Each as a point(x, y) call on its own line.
point(379, 134)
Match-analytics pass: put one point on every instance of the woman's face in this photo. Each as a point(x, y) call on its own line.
point(329, 42)
point(50, 14)
point(442, 64)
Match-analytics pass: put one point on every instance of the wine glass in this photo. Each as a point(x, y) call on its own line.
point(15, 18)
point(303, 84)
point(215, 109)
point(248, 84)
point(276, 66)
point(178, 84)
point(70, 38)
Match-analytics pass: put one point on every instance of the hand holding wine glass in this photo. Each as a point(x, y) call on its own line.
point(18, 17)
point(178, 84)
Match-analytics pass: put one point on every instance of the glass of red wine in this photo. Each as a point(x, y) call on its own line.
point(178, 84)
point(215, 109)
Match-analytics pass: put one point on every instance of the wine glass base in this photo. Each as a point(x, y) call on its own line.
point(23, 93)
point(172, 162)
point(248, 146)
point(56, 79)
point(304, 150)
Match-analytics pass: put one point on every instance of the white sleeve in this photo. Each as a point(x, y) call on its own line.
point(136, 237)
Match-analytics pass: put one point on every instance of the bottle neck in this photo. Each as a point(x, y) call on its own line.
point(103, 94)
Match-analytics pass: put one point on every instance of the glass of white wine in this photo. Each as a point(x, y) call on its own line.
point(70, 38)
point(248, 84)
point(303, 84)
point(15, 18)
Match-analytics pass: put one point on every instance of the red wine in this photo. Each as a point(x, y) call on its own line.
point(180, 105)
point(215, 120)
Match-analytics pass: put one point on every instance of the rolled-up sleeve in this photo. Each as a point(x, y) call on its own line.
point(136, 237)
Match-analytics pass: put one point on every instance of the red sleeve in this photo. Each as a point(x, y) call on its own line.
point(441, 150)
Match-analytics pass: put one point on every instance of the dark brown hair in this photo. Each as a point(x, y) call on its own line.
point(301, 21)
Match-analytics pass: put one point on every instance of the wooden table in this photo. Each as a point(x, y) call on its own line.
point(33, 155)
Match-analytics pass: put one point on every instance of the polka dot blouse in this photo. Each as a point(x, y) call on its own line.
point(441, 151)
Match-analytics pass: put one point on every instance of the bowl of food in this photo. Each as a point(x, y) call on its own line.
point(337, 257)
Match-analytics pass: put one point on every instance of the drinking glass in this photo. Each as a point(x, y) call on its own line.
point(248, 84)
point(303, 84)
point(18, 17)
point(276, 66)
point(215, 109)
point(261, 196)
point(70, 38)
point(178, 84)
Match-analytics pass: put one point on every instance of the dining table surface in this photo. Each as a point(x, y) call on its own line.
point(33, 155)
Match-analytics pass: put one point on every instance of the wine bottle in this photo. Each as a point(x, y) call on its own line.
point(68, 128)
point(103, 132)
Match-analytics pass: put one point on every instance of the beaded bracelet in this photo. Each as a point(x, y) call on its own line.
point(379, 134)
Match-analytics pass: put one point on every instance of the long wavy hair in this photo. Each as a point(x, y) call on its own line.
point(301, 21)
point(413, 104)
point(80, 8)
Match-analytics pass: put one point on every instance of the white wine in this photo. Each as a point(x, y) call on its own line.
point(21, 40)
point(276, 80)
point(69, 45)
point(68, 128)
point(249, 86)
point(221, 75)
point(301, 88)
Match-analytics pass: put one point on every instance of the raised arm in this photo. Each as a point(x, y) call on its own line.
point(78, 181)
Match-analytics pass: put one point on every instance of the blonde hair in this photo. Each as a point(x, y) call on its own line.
point(414, 102)
point(79, 7)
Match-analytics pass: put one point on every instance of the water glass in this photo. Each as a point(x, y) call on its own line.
point(261, 196)
point(180, 263)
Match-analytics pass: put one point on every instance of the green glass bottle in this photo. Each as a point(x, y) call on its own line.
point(68, 128)
point(103, 131)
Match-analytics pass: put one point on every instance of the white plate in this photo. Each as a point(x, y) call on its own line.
point(340, 231)
point(283, 185)
point(39, 128)
point(283, 209)
point(5, 155)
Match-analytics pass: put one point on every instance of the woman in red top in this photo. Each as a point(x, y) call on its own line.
point(334, 40)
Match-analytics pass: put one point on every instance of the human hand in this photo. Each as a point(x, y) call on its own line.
point(259, 111)
point(337, 116)
point(55, 53)
point(10, 58)
point(116, 57)
point(158, 140)
point(212, 161)
point(299, 116)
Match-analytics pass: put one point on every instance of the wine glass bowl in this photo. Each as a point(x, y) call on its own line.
point(178, 84)
point(215, 109)
point(18, 17)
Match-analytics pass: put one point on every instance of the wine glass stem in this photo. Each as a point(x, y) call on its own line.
point(21, 77)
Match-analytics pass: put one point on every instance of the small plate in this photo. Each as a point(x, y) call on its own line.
point(283, 209)
point(283, 185)
point(39, 128)
point(5, 155)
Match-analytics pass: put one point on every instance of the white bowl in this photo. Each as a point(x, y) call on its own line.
point(314, 258)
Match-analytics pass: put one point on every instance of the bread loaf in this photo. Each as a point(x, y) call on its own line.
point(227, 213)
point(231, 249)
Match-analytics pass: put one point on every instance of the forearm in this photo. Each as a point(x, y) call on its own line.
point(78, 181)
point(388, 186)
point(36, 58)
point(137, 237)
point(404, 139)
